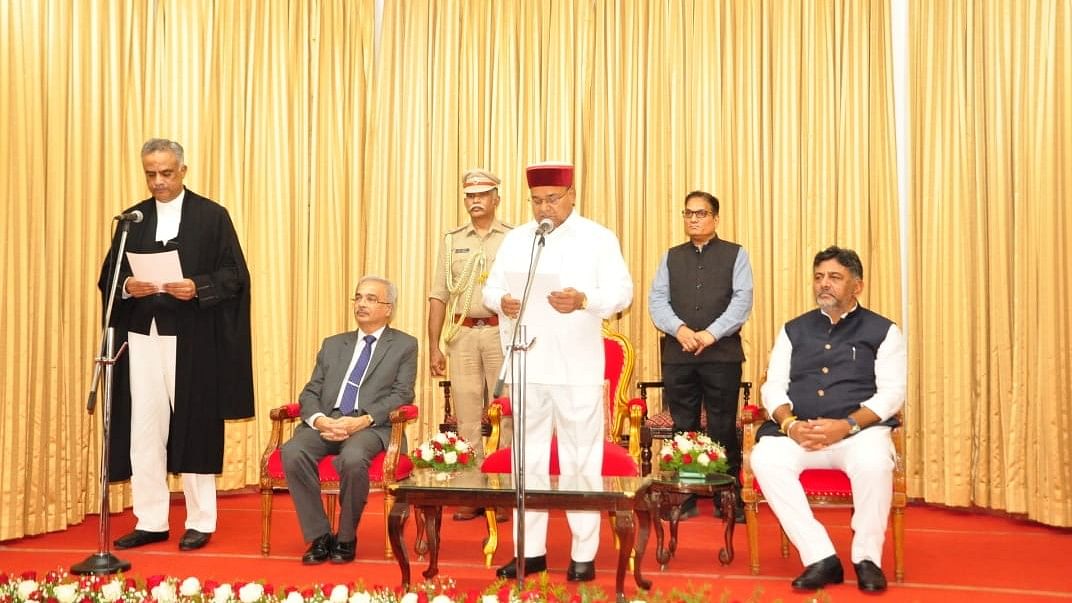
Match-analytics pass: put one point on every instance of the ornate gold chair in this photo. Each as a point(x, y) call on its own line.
point(823, 487)
point(388, 466)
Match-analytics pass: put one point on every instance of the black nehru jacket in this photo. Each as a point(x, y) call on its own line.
point(701, 288)
point(832, 369)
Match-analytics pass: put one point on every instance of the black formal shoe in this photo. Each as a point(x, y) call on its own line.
point(467, 513)
point(319, 550)
point(139, 538)
point(344, 552)
point(193, 539)
point(581, 571)
point(869, 577)
point(819, 574)
point(533, 565)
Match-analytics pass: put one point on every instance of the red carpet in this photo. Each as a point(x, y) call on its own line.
point(951, 556)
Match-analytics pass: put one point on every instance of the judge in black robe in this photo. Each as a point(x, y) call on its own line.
point(213, 362)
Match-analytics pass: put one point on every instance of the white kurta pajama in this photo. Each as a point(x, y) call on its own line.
point(564, 366)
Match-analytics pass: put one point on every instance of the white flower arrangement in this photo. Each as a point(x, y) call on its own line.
point(693, 452)
point(446, 451)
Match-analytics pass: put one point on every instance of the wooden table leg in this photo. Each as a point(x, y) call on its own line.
point(729, 519)
point(644, 518)
point(623, 525)
point(662, 555)
point(433, 518)
point(396, 523)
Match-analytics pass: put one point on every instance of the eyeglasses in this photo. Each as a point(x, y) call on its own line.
point(549, 199)
point(696, 213)
point(371, 299)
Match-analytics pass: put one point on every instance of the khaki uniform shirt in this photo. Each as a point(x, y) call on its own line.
point(465, 242)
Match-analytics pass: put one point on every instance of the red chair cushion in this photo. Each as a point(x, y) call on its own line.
point(616, 461)
point(822, 482)
point(327, 468)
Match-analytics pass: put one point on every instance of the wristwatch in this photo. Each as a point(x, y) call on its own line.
point(854, 427)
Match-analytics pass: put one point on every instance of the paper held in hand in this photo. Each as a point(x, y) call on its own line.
point(157, 268)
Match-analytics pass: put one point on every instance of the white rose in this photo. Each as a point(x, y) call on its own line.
point(489, 599)
point(111, 591)
point(294, 597)
point(442, 599)
point(164, 592)
point(222, 593)
point(361, 597)
point(65, 593)
point(462, 446)
point(450, 457)
point(703, 459)
point(251, 592)
point(441, 438)
point(409, 598)
point(665, 450)
point(684, 446)
point(26, 588)
point(339, 594)
point(190, 587)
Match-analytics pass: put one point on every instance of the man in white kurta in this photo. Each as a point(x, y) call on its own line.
point(581, 279)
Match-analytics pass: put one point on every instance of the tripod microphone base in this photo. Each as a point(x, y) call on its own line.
point(100, 563)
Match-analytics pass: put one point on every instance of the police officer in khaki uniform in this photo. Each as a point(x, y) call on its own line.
point(457, 318)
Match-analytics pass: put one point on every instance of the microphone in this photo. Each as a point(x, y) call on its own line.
point(545, 227)
point(132, 216)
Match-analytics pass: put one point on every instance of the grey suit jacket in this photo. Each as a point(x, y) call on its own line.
point(388, 381)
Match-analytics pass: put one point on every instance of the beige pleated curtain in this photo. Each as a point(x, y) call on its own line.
point(336, 132)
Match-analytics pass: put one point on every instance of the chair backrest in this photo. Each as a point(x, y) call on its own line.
point(619, 359)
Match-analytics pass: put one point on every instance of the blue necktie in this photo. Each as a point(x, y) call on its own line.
point(349, 394)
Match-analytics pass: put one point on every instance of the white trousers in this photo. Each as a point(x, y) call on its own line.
point(152, 400)
point(867, 458)
point(575, 414)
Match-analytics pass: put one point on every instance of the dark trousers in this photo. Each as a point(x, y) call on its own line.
point(301, 458)
point(713, 386)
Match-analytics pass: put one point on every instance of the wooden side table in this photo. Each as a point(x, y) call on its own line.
point(668, 492)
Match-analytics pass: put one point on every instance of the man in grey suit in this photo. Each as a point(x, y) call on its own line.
point(360, 377)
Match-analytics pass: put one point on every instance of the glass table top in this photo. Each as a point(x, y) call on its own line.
point(710, 479)
point(475, 482)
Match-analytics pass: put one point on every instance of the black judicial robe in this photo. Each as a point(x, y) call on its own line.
point(213, 372)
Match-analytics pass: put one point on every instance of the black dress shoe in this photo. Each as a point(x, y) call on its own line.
point(319, 550)
point(819, 574)
point(193, 539)
point(344, 552)
point(533, 565)
point(581, 571)
point(869, 577)
point(467, 513)
point(139, 538)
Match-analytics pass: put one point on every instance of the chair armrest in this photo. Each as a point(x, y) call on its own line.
point(280, 416)
point(399, 417)
point(644, 386)
point(750, 418)
point(900, 487)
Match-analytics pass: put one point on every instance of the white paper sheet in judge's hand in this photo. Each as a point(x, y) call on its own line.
point(156, 268)
point(539, 313)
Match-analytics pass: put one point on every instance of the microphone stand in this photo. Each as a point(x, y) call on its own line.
point(517, 351)
point(103, 561)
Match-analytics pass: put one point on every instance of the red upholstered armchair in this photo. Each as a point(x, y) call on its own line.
point(661, 426)
point(823, 487)
point(388, 466)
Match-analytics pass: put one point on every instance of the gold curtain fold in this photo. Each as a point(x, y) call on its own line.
point(338, 151)
point(990, 256)
point(269, 101)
